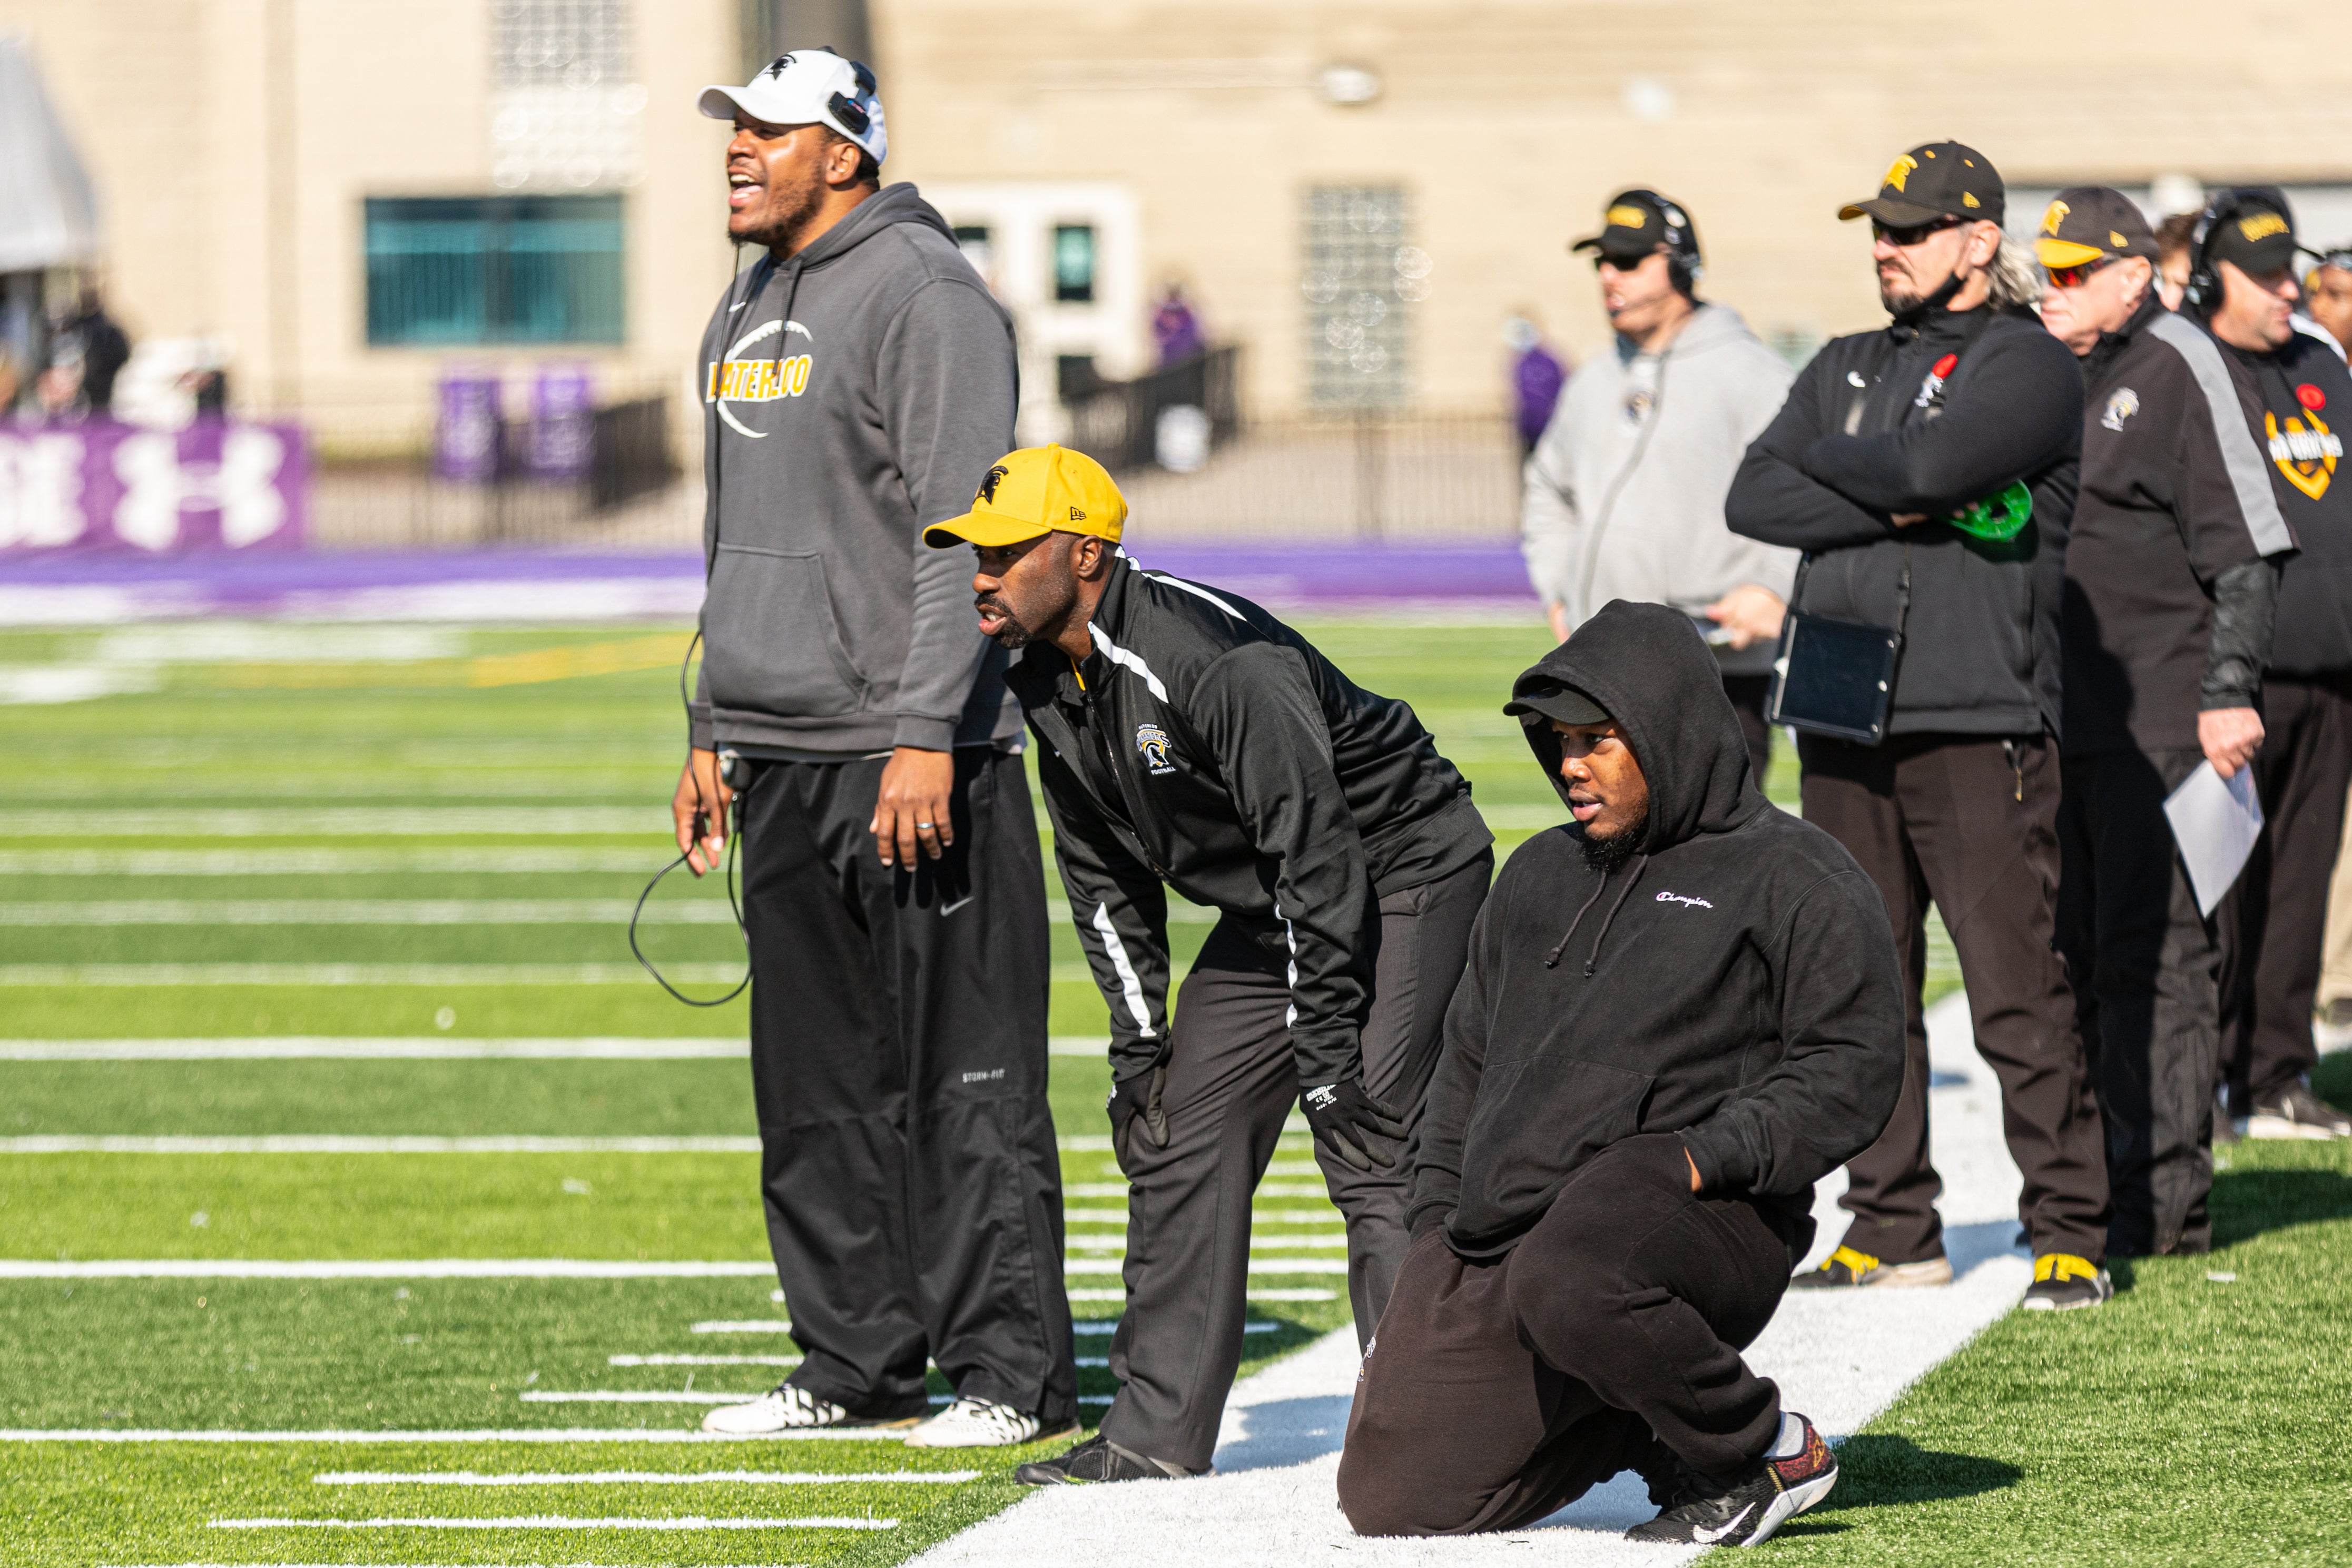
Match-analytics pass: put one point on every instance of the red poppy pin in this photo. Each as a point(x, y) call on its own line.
point(1944, 366)
point(2311, 397)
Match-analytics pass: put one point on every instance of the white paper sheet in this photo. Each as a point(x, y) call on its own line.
point(2215, 820)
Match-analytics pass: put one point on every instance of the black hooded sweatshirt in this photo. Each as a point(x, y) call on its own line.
point(1735, 983)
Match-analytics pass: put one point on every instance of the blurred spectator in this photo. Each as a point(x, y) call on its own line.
point(1536, 376)
point(1175, 329)
point(2328, 298)
point(1624, 491)
point(2172, 237)
point(103, 347)
point(58, 387)
point(10, 386)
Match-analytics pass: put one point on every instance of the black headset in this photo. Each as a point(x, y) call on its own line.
point(1685, 267)
point(2204, 287)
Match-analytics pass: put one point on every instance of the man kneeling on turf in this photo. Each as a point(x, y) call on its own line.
point(1679, 1012)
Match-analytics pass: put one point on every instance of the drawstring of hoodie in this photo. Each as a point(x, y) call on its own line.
point(1551, 959)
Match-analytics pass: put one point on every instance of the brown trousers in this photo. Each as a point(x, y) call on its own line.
point(1970, 823)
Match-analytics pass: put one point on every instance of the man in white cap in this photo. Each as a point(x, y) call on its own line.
point(857, 383)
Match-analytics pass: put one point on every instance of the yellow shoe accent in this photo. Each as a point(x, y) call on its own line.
point(2063, 1266)
point(1856, 1263)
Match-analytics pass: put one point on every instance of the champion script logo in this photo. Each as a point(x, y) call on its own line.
point(990, 481)
point(1679, 898)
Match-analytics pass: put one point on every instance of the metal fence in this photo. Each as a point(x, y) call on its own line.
point(1118, 422)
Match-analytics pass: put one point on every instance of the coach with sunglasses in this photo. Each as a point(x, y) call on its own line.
point(1927, 470)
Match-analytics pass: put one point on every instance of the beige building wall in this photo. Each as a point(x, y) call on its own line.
point(234, 140)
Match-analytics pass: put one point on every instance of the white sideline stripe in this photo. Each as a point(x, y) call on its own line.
point(636, 1478)
point(475, 1434)
point(702, 1360)
point(557, 1521)
point(356, 1047)
point(1119, 1243)
point(360, 912)
point(1081, 1326)
point(743, 1325)
point(378, 1268)
point(321, 862)
point(634, 1396)
point(1256, 1266)
point(518, 820)
point(339, 1144)
point(359, 973)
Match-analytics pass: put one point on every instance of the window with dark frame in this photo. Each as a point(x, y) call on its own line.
point(1073, 264)
point(495, 269)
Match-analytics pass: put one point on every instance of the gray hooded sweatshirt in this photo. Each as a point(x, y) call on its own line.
point(1624, 493)
point(852, 397)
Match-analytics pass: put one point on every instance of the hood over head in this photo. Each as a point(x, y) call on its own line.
point(1648, 667)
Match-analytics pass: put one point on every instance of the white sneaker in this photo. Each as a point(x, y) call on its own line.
point(783, 1408)
point(975, 1424)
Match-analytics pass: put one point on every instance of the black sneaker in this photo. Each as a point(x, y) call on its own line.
point(1846, 1270)
point(2296, 1113)
point(2063, 1282)
point(1096, 1460)
point(1745, 1511)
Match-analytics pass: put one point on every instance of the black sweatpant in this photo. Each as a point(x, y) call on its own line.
point(1970, 822)
point(913, 1186)
point(2147, 976)
point(1751, 697)
point(1232, 1081)
point(2276, 916)
point(1608, 1339)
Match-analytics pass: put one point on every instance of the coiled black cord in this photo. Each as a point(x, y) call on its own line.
point(702, 815)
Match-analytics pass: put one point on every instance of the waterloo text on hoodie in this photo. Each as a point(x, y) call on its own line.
point(1735, 983)
point(1207, 744)
point(854, 396)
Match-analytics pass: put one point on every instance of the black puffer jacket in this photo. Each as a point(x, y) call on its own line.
point(1735, 983)
point(1872, 429)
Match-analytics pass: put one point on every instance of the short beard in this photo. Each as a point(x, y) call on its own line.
point(1610, 856)
point(781, 227)
point(1012, 636)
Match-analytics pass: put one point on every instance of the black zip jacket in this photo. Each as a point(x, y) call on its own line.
point(2163, 617)
point(2298, 398)
point(1206, 744)
point(1735, 983)
point(1871, 430)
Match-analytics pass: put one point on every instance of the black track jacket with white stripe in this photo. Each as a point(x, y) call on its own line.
point(2176, 493)
point(1205, 745)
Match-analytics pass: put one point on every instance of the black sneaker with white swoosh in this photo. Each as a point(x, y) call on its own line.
point(1744, 1511)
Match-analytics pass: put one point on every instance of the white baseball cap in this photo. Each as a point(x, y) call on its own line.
point(808, 87)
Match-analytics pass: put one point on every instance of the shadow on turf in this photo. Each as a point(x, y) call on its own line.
point(2246, 1203)
point(1879, 1471)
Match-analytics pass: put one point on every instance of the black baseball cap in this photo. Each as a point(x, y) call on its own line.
point(1538, 697)
point(2087, 223)
point(2259, 235)
point(1935, 179)
point(1637, 223)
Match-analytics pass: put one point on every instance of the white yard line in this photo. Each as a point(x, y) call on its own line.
point(339, 1143)
point(359, 973)
point(558, 1521)
point(323, 862)
point(267, 1048)
point(743, 1325)
point(411, 1436)
point(1839, 1358)
point(702, 1360)
point(635, 1397)
point(636, 1478)
point(519, 821)
point(65, 912)
point(379, 1269)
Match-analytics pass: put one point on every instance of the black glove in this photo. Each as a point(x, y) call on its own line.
point(1352, 1125)
point(1132, 1099)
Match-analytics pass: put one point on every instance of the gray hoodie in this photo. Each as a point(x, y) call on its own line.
point(851, 396)
point(1624, 493)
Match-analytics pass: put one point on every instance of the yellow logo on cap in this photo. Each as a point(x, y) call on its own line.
point(1899, 171)
point(1622, 217)
point(2116, 240)
point(2054, 216)
point(1969, 201)
point(2260, 225)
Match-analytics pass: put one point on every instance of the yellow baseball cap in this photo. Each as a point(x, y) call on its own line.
point(1037, 490)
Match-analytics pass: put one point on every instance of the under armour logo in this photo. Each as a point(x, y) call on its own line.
point(160, 486)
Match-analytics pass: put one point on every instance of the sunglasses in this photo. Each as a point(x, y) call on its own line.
point(1904, 238)
point(2076, 277)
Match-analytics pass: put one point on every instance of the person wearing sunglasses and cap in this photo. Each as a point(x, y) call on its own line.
point(1927, 470)
point(857, 383)
point(2327, 297)
point(1188, 739)
point(2295, 394)
point(2171, 580)
point(1623, 494)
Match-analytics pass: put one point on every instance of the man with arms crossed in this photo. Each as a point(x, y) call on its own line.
point(1885, 436)
point(1190, 739)
point(1680, 1012)
point(1624, 493)
point(859, 380)
point(2170, 586)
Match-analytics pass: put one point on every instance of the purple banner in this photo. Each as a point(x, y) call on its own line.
point(466, 437)
point(562, 421)
point(99, 484)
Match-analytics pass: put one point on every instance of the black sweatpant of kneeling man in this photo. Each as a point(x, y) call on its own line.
point(1503, 1388)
